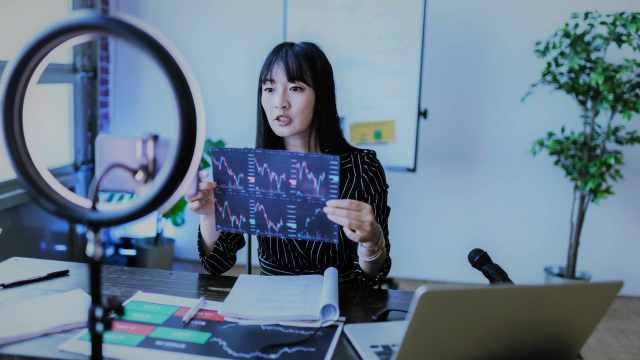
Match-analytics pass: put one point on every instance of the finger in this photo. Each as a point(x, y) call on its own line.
point(194, 206)
point(350, 214)
point(202, 203)
point(351, 224)
point(351, 235)
point(202, 196)
point(347, 204)
point(207, 185)
point(203, 174)
point(199, 195)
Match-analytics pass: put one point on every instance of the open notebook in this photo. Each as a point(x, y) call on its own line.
point(43, 315)
point(284, 298)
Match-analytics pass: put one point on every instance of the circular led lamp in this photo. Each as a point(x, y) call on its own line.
point(176, 174)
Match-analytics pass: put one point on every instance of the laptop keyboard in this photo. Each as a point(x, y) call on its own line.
point(385, 351)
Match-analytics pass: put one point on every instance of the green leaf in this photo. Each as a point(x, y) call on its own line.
point(177, 212)
point(176, 209)
point(178, 220)
point(575, 62)
point(617, 173)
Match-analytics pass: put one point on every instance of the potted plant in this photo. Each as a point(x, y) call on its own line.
point(594, 59)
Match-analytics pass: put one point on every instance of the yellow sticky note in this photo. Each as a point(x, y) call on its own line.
point(373, 132)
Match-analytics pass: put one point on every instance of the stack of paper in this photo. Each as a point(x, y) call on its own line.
point(284, 298)
point(43, 315)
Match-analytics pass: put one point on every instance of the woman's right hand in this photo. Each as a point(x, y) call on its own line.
point(203, 202)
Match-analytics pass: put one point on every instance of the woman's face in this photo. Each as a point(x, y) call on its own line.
point(288, 106)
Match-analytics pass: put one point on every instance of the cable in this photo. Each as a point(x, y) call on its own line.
point(95, 182)
point(384, 313)
point(295, 342)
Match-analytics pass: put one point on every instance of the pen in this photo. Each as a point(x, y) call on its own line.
point(193, 311)
point(51, 275)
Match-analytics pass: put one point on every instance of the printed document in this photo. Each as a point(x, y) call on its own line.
point(284, 298)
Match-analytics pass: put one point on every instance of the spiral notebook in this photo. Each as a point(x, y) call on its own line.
point(284, 298)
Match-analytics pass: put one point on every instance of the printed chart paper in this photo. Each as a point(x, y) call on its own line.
point(152, 328)
point(275, 192)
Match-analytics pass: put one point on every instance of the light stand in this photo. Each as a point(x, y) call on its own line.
point(171, 180)
point(99, 319)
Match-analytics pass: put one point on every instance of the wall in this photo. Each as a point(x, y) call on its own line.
point(224, 45)
point(477, 184)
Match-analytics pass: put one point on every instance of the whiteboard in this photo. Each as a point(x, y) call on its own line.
point(375, 48)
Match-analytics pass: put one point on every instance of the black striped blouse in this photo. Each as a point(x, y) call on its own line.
point(361, 178)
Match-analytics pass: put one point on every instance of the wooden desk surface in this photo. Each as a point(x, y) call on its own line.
point(616, 337)
point(123, 282)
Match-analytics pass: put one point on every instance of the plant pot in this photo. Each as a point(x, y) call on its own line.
point(554, 274)
point(152, 253)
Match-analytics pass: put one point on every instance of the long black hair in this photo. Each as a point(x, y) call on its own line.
point(306, 63)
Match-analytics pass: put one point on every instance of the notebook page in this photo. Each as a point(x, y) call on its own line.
point(43, 315)
point(284, 298)
point(274, 297)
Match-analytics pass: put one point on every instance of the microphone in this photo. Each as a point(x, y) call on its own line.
point(481, 261)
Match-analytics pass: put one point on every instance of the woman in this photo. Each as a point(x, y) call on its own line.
point(297, 112)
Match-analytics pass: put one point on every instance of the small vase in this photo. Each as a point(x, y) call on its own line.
point(554, 274)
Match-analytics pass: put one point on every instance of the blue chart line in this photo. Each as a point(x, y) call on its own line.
point(286, 330)
point(275, 328)
point(285, 350)
point(270, 331)
point(229, 170)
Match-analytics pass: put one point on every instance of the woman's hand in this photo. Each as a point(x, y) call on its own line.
point(357, 220)
point(203, 202)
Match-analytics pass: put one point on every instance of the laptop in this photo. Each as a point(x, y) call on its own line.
point(494, 322)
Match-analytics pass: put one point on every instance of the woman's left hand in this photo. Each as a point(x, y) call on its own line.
point(356, 217)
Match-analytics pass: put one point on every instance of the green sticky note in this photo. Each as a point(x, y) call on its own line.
point(145, 317)
point(117, 338)
point(151, 307)
point(184, 335)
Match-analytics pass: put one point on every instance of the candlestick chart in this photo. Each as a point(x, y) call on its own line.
point(311, 177)
point(229, 170)
point(232, 213)
point(272, 217)
point(271, 172)
point(275, 192)
point(314, 225)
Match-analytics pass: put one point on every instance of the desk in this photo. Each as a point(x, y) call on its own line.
point(616, 337)
point(123, 282)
